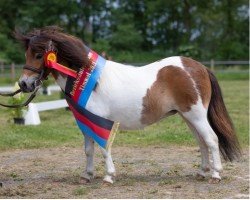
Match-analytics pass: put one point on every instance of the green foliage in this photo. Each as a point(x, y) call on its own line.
point(101, 45)
point(16, 112)
point(10, 51)
point(15, 100)
point(173, 27)
point(188, 51)
point(126, 38)
point(137, 57)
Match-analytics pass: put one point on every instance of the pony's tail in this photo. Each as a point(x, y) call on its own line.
point(221, 122)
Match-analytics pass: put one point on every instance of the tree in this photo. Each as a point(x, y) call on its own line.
point(200, 29)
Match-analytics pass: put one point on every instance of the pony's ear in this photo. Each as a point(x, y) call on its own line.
point(51, 46)
point(23, 39)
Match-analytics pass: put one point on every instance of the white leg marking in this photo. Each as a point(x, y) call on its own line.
point(205, 164)
point(197, 116)
point(89, 151)
point(110, 168)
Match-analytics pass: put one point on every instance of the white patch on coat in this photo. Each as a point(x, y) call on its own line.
point(121, 89)
point(61, 81)
point(197, 116)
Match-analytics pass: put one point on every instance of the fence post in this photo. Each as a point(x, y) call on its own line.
point(2, 68)
point(212, 64)
point(12, 72)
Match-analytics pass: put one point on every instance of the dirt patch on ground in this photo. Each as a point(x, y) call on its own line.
point(147, 172)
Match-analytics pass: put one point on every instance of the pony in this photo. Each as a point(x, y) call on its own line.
point(140, 96)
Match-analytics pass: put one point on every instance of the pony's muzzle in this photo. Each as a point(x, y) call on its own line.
point(28, 84)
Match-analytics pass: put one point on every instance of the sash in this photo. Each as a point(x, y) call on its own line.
point(79, 87)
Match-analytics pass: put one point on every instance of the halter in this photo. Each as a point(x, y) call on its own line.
point(33, 69)
point(38, 83)
point(50, 62)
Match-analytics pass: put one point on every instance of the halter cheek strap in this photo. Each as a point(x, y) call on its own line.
point(33, 69)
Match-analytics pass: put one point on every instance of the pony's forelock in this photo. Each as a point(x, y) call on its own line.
point(70, 49)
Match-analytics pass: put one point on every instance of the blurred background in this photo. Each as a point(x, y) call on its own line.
point(135, 31)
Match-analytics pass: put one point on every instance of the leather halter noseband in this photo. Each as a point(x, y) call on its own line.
point(33, 69)
point(38, 84)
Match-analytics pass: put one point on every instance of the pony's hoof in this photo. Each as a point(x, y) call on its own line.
point(214, 180)
point(200, 177)
point(108, 180)
point(86, 178)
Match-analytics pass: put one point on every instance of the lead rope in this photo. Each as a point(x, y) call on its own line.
point(38, 84)
point(31, 97)
point(11, 94)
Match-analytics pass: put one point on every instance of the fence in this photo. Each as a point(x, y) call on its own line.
point(50, 89)
point(13, 71)
point(212, 63)
point(32, 116)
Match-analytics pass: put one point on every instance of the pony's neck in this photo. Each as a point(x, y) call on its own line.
point(61, 78)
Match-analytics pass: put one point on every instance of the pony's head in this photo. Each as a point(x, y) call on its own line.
point(69, 49)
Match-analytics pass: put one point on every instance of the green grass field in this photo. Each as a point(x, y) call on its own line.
point(58, 127)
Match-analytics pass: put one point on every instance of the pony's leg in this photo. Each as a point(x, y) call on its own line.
point(197, 116)
point(110, 168)
point(205, 163)
point(88, 174)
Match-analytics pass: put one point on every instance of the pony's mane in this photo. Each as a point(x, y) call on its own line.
point(70, 49)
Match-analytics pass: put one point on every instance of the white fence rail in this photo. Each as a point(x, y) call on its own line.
point(50, 89)
point(32, 116)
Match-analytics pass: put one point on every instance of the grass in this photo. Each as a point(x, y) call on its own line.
point(80, 191)
point(232, 75)
point(58, 127)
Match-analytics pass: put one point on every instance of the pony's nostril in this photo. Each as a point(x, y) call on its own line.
point(33, 85)
point(22, 85)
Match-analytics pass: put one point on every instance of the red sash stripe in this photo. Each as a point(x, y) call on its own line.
point(78, 90)
point(101, 132)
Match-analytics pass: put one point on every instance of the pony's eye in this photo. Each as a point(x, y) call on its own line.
point(39, 56)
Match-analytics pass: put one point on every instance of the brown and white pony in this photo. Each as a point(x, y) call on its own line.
point(139, 96)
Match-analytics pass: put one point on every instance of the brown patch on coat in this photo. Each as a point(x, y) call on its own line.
point(173, 90)
point(31, 61)
point(200, 76)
